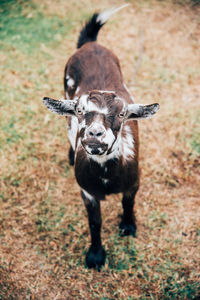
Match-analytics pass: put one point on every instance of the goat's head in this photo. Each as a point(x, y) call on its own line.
point(100, 117)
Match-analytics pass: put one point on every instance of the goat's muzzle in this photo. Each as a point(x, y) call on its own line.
point(94, 147)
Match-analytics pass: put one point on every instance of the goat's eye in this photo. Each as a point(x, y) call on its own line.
point(79, 111)
point(121, 114)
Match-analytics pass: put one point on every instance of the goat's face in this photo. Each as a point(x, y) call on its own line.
point(100, 117)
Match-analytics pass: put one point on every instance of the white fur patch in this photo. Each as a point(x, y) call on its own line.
point(72, 131)
point(67, 95)
point(87, 106)
point(127, 143)
point(77, 90)
point(70, 82)
point(88, 196)
point(88, 149)
point(83, 102)
point(92, 107)
point(122, 147)
point(102, 159)
point(116, 152)
point(109, 138)
point(82, 125)
point(110, 92)
point(105, 15)
point(104, 180)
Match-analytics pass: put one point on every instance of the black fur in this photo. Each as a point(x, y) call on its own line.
point(95, 259)
point(96, 254)
point(128, 222)
point(74, 72)
point(71, 156)
point(90, 31)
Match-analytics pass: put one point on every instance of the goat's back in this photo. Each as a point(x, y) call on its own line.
point(94, 67)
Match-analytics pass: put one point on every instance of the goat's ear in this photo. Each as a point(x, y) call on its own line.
point(61, 107)
point(141, 111)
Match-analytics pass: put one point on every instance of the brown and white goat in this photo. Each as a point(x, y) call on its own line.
point(102, 130)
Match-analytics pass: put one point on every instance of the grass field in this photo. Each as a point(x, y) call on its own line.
point(43, 224)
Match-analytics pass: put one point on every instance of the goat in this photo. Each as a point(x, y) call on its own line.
point(103, 131)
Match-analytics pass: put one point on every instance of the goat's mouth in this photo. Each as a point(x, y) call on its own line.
point(94, 148)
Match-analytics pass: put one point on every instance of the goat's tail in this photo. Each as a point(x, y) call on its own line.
point(90, 30)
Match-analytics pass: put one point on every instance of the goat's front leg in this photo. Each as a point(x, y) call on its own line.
point(71, 156)
point(96, 254)
point(128, 223)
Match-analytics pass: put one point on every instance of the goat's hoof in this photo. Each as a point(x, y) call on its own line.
point(127, 229)
point(95, 258)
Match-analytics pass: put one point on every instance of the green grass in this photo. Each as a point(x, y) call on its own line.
point(195, 140)
point(196, 143)
point(23, 26)
point(24, 30)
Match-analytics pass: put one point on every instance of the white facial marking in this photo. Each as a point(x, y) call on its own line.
point(122, 146)
point(83, 99)
point(92, 107)
point(82, 125)
point(109, 138)
point(127, 143)
point(116, 151)
point(72, 131)
point(83, 102)
point(110, 92)
point(102, 159)
point(88, 149)
point(88, 196)
point(88, 106)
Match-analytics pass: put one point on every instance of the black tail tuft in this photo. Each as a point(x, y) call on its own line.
point(90, 31)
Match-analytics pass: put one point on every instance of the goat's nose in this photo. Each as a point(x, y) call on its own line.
point(95, 132)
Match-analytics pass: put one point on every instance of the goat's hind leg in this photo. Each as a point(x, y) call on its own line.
point(128, 222)
point(96, 254)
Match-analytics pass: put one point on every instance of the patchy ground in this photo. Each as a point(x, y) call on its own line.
point(43, 225)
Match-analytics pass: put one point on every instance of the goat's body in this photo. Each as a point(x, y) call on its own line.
point(120, 173)
point(102, 131)
point(110, 178)
point(94, 67)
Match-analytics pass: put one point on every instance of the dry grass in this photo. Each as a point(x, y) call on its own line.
point(43, 224)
